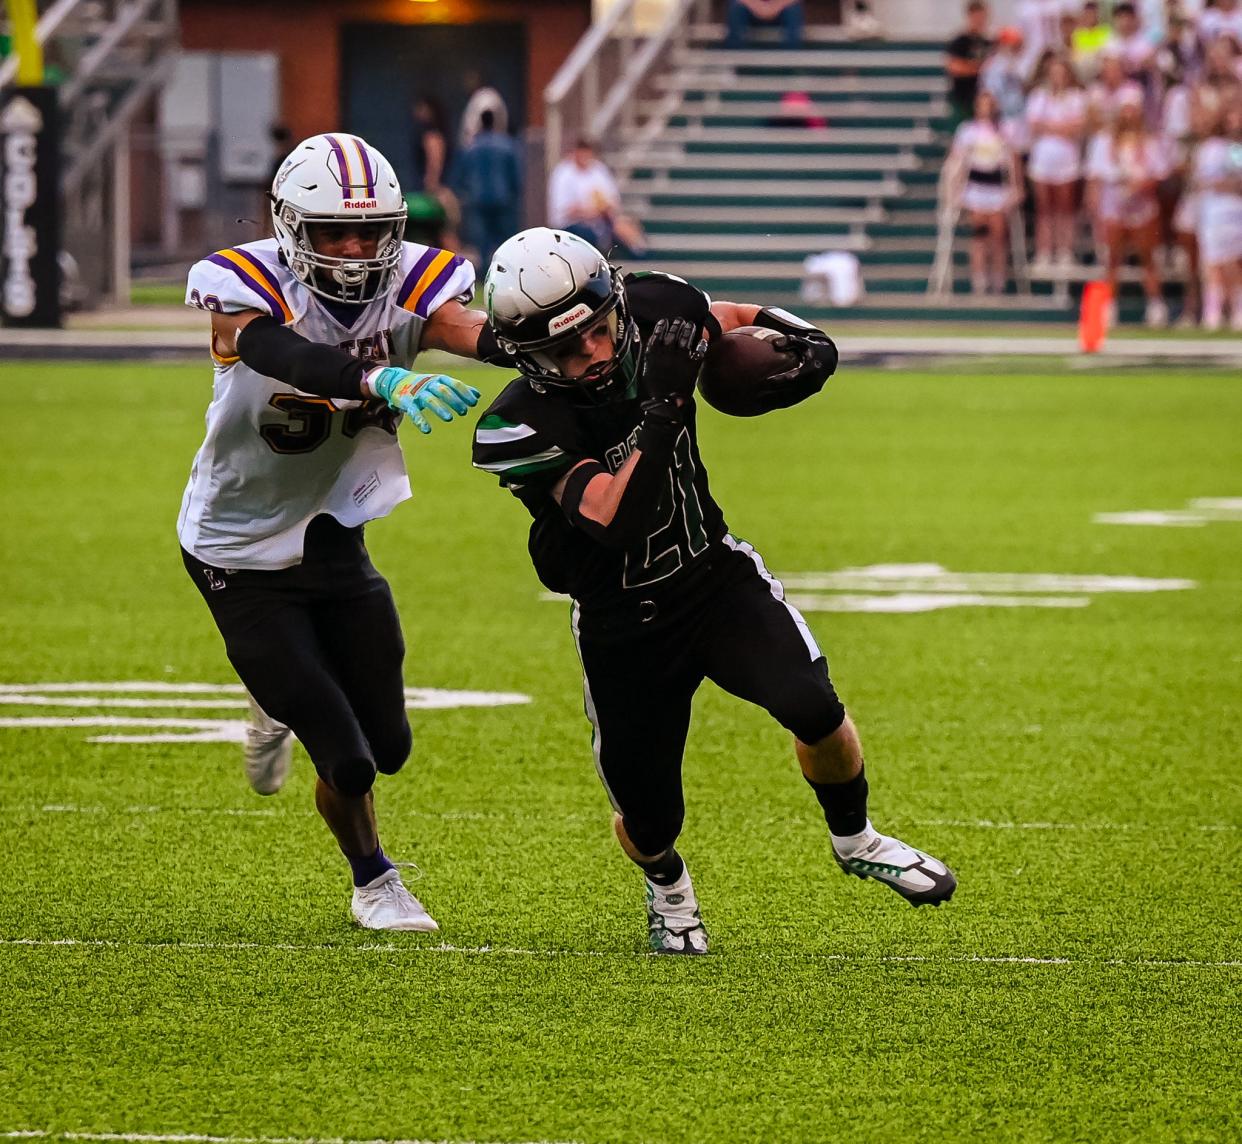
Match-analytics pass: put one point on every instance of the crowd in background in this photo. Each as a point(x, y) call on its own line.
point(468, 186)
point(1126, 120)
point(466, 191)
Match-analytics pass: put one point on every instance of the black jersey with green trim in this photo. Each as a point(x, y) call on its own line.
point(531, 439)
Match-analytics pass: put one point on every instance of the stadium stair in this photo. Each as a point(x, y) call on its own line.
point(734, 197)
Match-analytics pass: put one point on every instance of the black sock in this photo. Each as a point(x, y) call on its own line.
point(664, 871)
point(845, 804)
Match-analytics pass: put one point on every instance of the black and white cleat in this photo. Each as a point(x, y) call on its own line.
point(919, 878)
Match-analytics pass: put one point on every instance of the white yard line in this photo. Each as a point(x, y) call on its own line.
point(509, 951)
point(54, 808)
point(154, 686)
point(496, 816)
point(989, 824)
point(198, 1138)
point(235, 812)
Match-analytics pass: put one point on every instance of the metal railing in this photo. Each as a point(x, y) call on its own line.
point(948, 216)
point(598, 84)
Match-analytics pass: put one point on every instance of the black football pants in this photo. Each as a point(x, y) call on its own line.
point(319, 646)
point(738, 632)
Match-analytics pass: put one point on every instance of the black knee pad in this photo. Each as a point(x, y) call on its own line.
point(390, 755)
point(824, 722)
point(811, 710)
point(656, 834)
point(351, 777)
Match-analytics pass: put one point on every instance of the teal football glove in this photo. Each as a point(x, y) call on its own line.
point(411, 393)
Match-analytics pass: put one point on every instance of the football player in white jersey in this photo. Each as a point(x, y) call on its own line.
point(312, 334)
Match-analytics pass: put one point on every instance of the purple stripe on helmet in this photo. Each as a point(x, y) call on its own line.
point(411, 279)
point(423, 305)
point(343, 165)
point(272, 300)
point(367, 170)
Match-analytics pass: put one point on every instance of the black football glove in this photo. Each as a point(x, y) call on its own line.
point(672, 358)
point(816, 362)
point(815, 354)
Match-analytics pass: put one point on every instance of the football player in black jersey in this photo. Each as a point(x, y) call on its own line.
point(597, 439)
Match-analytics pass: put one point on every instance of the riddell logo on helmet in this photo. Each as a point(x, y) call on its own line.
point(569, 318)
point(360, 204)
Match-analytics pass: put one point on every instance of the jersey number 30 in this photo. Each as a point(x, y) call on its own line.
point(681, 535)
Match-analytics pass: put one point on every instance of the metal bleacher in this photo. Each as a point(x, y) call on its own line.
point(735, 192)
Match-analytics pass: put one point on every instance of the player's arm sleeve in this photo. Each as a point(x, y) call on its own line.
point(277, 352)
point(526, 460)
point(653, 295)
point(646, 476)
point(529, 463)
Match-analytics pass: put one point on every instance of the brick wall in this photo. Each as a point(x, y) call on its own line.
point(306, 36)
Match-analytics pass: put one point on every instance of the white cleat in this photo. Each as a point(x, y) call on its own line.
point(917, 877)
point(673, 922)
point(268, 751)
point(386, 904)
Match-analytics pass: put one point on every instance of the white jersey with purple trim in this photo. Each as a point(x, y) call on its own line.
point(274, 457)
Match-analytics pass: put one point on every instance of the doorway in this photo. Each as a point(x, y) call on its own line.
point(385, 67)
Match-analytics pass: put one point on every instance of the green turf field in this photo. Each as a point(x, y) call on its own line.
point(176, 954)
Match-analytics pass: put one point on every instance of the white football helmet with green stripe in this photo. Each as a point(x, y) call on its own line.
point(543, 290)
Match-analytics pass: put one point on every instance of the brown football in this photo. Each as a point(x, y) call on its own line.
point(735, 367)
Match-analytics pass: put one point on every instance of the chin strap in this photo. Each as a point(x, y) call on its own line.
point(489, 349)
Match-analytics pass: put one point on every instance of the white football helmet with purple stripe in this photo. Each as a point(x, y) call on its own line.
point(338, 180)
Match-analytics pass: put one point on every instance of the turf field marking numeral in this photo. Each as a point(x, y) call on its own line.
point(1197, 513)
point(158, 696)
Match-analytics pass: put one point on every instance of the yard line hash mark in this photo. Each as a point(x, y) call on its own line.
point(511, 951)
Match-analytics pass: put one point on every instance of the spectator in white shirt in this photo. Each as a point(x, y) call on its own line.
point(1131, 42)
point(1218, 176)
point(1179, 201)
point(1106, 95)
point(1056, 116)
point(984, 165)
point(1041, 29)
point(1223, 20)
point(1124, 167)
point(584, 199)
